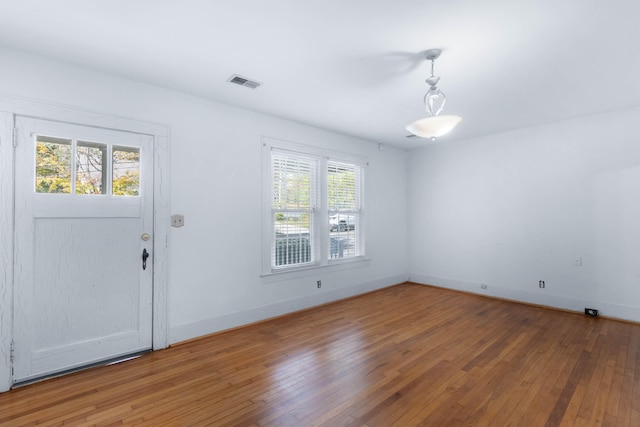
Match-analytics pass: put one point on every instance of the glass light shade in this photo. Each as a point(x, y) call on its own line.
point(433, 127)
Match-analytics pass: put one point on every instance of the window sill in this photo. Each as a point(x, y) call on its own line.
point(334, 265)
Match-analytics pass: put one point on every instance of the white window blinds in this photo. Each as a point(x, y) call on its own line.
point(344, 202)
point(294, 180)
point(343, 182)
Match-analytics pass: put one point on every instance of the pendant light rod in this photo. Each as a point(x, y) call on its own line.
point(432, 81)
point(432, 55)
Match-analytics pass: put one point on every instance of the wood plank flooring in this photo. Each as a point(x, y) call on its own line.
point(407, 355)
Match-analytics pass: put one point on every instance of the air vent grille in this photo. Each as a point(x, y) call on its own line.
point(243, 81)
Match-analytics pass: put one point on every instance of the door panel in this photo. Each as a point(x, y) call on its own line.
point(81, 294)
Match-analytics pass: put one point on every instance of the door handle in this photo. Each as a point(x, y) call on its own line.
point(145, 255)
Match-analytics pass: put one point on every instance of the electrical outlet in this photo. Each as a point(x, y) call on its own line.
point(483, 286)
point(591, 312)
point(541, 284)
point(319, 283)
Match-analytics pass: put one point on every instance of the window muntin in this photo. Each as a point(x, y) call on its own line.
point(300, 209)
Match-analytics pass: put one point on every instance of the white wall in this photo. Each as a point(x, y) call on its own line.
point(511, 209)
point(215, 260)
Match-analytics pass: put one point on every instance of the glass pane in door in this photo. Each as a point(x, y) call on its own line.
point(91, 175)
point(126, 171)
point(53, 165)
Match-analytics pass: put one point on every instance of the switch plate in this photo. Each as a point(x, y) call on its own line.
point(177, 220)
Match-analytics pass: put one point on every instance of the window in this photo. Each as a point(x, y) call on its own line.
point(344, 208)
point(91, 177)
point(294, 203)
point(314, 208)
point(53, 165)
point(126, 171)
point(79, 167)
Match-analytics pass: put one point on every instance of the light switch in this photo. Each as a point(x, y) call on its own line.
point(177, 220)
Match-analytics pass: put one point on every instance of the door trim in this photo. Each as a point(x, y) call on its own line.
point(10, 107)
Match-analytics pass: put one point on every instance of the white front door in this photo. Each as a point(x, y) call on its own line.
point(83, 218)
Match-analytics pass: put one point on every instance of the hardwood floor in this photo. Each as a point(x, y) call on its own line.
point(404, 356)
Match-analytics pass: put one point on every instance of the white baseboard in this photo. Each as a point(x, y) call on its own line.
point(216, 324)
point(544, 298)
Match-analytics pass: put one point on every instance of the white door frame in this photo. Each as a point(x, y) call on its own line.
point(11, 106)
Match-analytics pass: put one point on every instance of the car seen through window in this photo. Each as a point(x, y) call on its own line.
point(342, 222)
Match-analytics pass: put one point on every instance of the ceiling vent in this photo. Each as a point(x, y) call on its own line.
point(243, 81)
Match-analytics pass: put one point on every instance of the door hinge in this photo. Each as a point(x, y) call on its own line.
point(15, 137)
point(12, 351)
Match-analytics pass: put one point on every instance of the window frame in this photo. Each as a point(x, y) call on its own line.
point(319, 233)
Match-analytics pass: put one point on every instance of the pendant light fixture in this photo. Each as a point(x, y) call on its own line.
point(434, 125)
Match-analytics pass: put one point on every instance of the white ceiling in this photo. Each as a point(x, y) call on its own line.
point(356, 66)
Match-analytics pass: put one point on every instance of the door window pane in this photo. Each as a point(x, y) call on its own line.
point(91, 175)
point(53, 165)
point(126, 171)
